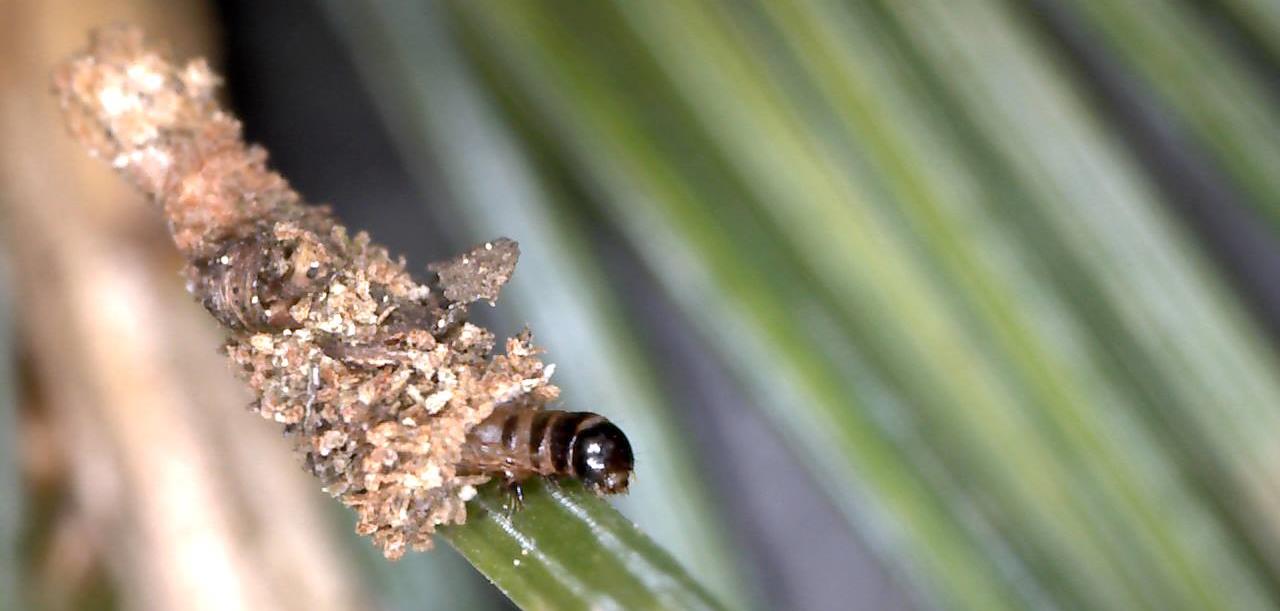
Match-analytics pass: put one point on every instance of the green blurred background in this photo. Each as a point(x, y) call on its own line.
point(923, 304)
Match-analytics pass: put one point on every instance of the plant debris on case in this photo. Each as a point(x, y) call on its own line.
point(377, 379)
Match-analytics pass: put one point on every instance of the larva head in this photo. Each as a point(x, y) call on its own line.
point(602, 458)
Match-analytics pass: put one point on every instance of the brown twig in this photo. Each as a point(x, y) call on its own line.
point(376, 378)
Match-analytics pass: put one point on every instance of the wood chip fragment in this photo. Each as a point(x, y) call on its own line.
point(479, 273)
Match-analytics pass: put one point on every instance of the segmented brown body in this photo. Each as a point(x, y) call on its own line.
point(518, 443)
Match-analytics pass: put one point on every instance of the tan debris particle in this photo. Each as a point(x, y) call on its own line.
point(479, 273)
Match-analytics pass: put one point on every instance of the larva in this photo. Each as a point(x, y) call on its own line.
point(517, 443)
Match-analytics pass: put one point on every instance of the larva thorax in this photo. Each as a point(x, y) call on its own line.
point(519, 443)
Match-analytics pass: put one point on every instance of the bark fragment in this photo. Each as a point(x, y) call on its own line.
point(479, 273)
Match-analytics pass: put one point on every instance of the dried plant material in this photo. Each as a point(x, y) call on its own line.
point(377, 379)
point(478, 274)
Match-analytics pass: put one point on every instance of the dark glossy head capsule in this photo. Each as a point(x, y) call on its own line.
point(602, 458)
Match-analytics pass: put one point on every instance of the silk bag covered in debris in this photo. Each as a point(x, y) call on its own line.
point(375, 378)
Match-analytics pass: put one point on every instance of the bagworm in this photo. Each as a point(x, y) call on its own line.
point(394, 401)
